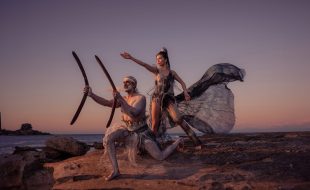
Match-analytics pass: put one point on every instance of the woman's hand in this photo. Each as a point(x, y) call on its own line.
point(187, 96)
point(126, 55)
point(88, 91)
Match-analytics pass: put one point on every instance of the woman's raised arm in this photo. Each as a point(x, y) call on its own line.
point(150, 68)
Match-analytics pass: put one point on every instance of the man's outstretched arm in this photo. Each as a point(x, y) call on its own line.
point(98, 99)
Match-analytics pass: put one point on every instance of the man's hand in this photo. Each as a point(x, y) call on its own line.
point(88, 91)
point(117, 95)
point(119, 98)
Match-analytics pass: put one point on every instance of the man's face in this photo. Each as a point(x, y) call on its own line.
point(128, 86)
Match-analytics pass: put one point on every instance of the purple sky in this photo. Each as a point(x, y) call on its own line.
point(41, 83)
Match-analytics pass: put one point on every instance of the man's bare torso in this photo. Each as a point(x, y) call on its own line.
point(137, 101)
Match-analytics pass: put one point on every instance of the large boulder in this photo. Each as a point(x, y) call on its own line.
point(67, 145)
point(53, 155)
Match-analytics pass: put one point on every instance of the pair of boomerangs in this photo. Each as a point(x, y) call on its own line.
point(78, 111)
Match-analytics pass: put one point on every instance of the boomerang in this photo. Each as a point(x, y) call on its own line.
point(77, 113)
point(113, 86)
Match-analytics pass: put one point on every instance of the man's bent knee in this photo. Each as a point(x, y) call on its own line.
point(159, 157)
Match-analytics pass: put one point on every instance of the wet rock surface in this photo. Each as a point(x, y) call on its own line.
point(24, 170)
point(233, 161)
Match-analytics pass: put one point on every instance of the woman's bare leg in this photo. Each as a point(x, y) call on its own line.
point(155, 116)
point(153, 149)
point(190, 133)
point(177, 118)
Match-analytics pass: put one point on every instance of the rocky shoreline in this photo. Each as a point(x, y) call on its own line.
point(233, 161)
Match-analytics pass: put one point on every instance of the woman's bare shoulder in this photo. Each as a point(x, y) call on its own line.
point(173, 72)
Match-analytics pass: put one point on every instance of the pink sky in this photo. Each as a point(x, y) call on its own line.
point(42, 85)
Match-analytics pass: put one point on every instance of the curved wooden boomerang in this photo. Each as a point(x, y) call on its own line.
point(77, 113)
point(113, 86)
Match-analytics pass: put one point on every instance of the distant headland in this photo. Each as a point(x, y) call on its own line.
point(25, 129)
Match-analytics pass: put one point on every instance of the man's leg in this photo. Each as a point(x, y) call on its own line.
point(153, 149)
point(109, 141)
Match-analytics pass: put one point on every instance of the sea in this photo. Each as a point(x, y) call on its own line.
point(8, 143)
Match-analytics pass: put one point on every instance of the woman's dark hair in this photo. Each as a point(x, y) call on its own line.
point(164, 52)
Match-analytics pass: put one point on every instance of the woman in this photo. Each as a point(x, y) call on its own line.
point(163, 96)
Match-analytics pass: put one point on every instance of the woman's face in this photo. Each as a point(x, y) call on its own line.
point(160, 60)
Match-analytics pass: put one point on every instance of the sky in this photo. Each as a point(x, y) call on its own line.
point(41, 84)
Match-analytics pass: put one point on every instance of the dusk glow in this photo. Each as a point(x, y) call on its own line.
point(42, 85)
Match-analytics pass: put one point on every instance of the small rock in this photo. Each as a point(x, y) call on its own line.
point(19, 149)
point(98, 145)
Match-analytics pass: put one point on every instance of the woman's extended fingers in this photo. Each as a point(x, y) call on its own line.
point(187, 96)
point(126, 55)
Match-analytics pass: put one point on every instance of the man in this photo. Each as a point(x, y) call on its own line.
point(134, 130)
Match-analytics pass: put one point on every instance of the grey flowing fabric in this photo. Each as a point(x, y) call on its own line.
point(211, 109)
point(216, 74)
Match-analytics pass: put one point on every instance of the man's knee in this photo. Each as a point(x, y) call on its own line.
point(109, 140)
point(159, 156)
point(111, 137)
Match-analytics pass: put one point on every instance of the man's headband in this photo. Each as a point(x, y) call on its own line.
point(130, 79)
